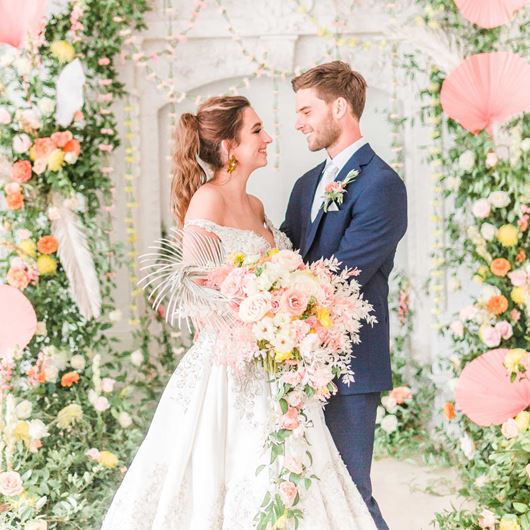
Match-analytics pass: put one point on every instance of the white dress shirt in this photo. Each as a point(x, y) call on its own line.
point(332, 168)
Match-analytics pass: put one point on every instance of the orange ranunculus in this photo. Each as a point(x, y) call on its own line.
point(42, 148)
point(61, 138)
point(497, 304)
point(69, 379)
point(47, 245)
point(21, 171)
point(449, 410)
point(15, 201)
point(73, 146)
point(521, 256)
point(500, 267)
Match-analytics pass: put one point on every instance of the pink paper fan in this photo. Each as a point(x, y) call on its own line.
point(489, 13)
point(486, 88)
point(18, 321)
point(18, 18)
point(485, 394)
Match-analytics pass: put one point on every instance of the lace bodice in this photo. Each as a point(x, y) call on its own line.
point(242, 240)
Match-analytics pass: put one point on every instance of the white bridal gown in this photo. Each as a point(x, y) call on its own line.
point(196, 468)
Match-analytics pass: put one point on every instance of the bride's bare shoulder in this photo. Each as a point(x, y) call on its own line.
point(206, 203)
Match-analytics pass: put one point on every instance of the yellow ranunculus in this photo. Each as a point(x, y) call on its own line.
point(273, 251)
point(46, 265)
point(523, 420)
point(508, 235)
point(517, 295)
point(63, 51)
point(56, 160)
point(21, 431)
point(29, 247)
point(237, 259)
point(514, 358)
point(32, 153)
point(283, 356)
point(108, 459)
point(324, 318)
point(69, 415)
point(509, 524)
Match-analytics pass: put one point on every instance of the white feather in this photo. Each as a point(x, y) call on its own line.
point(76, 259)
point(69, 92)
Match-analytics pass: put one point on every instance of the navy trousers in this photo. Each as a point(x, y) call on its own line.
point(351, 421)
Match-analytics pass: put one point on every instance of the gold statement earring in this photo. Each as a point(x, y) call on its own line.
point(232, 164)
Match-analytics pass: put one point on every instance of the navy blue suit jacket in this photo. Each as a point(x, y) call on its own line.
point(364, 233)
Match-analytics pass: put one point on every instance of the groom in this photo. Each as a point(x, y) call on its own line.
point(362, 232)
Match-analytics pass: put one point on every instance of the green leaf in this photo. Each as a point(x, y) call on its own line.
point(520, 507)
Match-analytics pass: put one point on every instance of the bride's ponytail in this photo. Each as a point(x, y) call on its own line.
point(187, 173)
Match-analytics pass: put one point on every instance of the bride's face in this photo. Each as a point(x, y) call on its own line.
point(251, 152)
point(314, 118)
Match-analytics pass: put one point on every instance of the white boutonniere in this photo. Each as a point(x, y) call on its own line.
point(334, 195)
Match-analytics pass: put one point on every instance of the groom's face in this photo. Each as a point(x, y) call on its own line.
point(314, 118)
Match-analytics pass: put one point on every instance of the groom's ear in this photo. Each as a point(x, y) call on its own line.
point(340, 107)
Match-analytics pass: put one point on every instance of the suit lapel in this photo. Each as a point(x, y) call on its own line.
point(357, 160)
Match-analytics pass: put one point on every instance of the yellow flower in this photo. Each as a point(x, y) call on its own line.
point(283, 356)
point(508, 235)
point(56, 160)
point(273, 251)
point(108, 459)
point(63, 51)
point(21, 431)
point(324, 318)
point(514, 358)
point(518, 295)
point(69, 415)
point(509, 524)
point(29, 247)
point(483, 272)
point(46, 265)
point(237, 259)
point(523, 420)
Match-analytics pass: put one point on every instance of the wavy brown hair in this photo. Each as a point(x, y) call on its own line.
point(200, 136)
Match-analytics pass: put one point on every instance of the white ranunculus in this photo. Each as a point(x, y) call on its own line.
point(137, 358)
point(23, 409)
point(389, 423)
point(467, 160)
point(499, 199)
point(452, 183)
point(389, 403)
point(488, 231)
point(46, 106)
point(51, 373)
point(37, 430)
point(124, 419)
point(78, 362)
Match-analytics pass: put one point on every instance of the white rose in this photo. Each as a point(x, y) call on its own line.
point(6, 58)
point(491, 159)
point(525, 145)
point(5, 116)
point(389, 403)
point(60, 359)
point(115, 316)
point(389, 423)
point(23, 409)
point(46, 106)
point(488, 231)
point(37, 429)
point(78, 362)
point(287, 259)
point(452, 183)
point(499, 199)
point(23, 66)
point(255, 307)
point(481, 208)
point(36, 524)
point(380, 414)
point(70, 158)
point(137, 358)
point(466, 160)
point(124, 419)
point(51, 373)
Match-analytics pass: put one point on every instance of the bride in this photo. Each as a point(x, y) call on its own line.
point(196, 469)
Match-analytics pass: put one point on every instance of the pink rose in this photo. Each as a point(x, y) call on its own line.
point(333, 186)
point(505, 329)
point(457, 328)
point(290, 419)
point(29, 120)
point(321, 376)
point(515, 315)
point(292, 378)
point(287, 259)
point(288, 492)
point(481, 208)
point(5, 117)
point(10, 484)
point(490, 336)
point(255, 307)
point(510, 429)
point(296, 399)
point(468, 313)
point(487, 520)
point(101, 404)
point(21, 143)
point(107, 384)
point(401, 394)
point(294, 302)
point(294, 465)
point(39, 167)
point(518, 277)
point(218, 276)
point(93, 453)
point(232, 286)
point(104, 61)
point(299, 329)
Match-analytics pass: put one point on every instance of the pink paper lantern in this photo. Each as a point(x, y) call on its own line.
point(18, 321)
point(18, 18)
point(485, 394)
point(489, 13)
point(486, 88)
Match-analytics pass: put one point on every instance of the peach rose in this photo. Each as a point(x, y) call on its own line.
point(497, 304)
point(15, 201)
point(401, 394)
point(232, 286)
point(288, 492)
point(47, 245)
point(290, 419)
point(294, 302)
point(218, 276)
point(287, 259)
point(510, 429)
point(295, 466)
point(500, 267)
point(505, 329)
point(333, 186)
point(10, 484)
point(17, 278)
point(12, 187)
point(255, 307)
point(42, 148)
point(61, 138)
point(21, 171)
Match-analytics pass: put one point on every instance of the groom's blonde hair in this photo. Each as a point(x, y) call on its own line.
point(334, 80)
